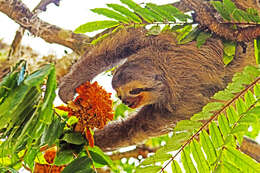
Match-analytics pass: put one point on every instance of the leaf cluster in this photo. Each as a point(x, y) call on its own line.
point(132, 14)
point(229, 12)
point(212, 146)
point(29, 123)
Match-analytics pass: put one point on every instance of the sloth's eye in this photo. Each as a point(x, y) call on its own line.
point(136, 91)
point(139, 90)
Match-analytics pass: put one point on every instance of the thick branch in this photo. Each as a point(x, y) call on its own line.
point(204, 16)
point(18, 11)
point(251, 148)
point(20, 32)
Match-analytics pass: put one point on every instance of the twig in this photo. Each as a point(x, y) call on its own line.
point(86, 147)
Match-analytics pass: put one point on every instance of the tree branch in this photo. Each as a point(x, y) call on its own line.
point(42, 6)
point(19, 12)
point(205, 17)
point(251, 148)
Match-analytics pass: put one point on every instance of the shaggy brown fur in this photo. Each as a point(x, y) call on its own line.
point(170, 82)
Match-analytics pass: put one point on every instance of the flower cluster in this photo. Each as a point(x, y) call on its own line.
point(92, 107)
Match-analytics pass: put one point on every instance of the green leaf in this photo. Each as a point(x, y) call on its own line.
point(249, 98)
point(11, 103)
point(213, 106)
point(199, 157)
point(50, 89)
point(52, 132)
point(229, 6)
point(100, 157)
point(154, 30)
point(240, 106)
point(257, 50)
point(78, 164)
point(139, 10)
point(215, 135)
point(176, 167)
point(222, 11)
point(38, 76)
point(47, 112)
point(190, 37)
point(72, 120)
point(257, 90)
point(132, 16)
point(175, 12)
point(232, 115)
point(111, 14)
point(223, 125)
point(227, 59)
point(241, 15)
point(202, 38)
point(231, 141)
point(223, 95)
point(249, 118)
point(183, 32)
point(180, 137)
point(201, 116)
point(208, 147)
point(241, 160)
point(187, 125)
point(163, 13)
point(235, 87)
point(229, 167)
point(30, 157)
point(170, 146)
point(74, 138)
point(253, 15)
point(11, 170)
point(240, 128)
point(7, 85)
point(187, 162)
point(97, 25)
point(229, 48)
point(158, 157)
point(176, 28)
point(255, 110)
point(148, 169)
point(63, 157)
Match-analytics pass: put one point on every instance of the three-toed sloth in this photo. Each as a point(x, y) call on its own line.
point(168, 81)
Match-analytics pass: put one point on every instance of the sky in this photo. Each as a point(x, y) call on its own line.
point(69, 15)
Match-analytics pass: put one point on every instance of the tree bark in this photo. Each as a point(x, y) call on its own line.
point(18, 12)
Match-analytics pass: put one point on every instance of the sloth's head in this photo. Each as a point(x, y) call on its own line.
point(138, 83)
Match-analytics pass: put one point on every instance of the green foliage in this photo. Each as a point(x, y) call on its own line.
point(216, 149)
point(229, 12)
point(78, 165)
point(97, 25)
point(229, 51)
point(257, 50)
point(126, 16)
point(24, 113)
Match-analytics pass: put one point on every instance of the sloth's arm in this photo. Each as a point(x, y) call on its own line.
point(101, 58)
point(148, 122)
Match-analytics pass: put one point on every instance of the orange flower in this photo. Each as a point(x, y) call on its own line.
point(92, 107)
point(49, 156)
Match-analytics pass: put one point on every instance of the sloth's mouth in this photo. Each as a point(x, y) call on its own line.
point(133, 102)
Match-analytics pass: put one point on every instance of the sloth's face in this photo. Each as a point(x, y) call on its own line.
point(138, 83)
point(135, 94)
